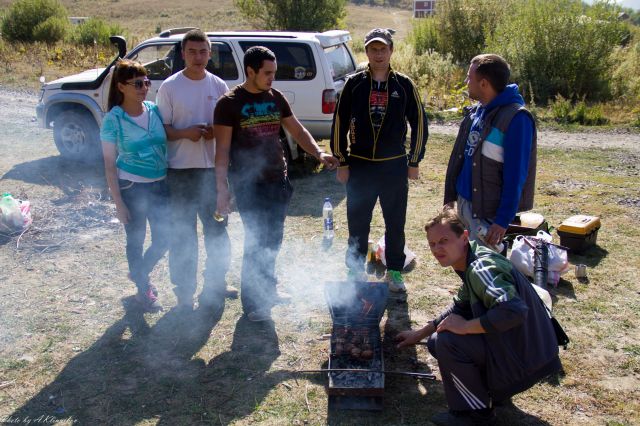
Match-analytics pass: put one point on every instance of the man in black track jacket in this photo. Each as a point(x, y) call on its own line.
point(369, 138)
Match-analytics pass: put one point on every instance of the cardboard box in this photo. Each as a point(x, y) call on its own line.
point(578, 233)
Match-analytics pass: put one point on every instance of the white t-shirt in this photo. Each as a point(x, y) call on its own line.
point(184, 103)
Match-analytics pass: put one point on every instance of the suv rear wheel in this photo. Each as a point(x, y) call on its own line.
point(76, 135)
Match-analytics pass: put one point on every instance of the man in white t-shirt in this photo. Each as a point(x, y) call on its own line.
point(186, 101)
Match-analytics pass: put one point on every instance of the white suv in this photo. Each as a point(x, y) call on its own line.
point(312, 68)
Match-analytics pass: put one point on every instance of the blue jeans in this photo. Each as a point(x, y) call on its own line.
point(193, 196)
point(146, 202)
point(263, 209)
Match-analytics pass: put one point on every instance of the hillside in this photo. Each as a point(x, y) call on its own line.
point(141, 18)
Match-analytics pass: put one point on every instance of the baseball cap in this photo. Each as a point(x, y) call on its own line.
point(382, 35)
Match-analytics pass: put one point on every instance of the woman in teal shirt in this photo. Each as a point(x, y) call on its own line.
point(134, 146)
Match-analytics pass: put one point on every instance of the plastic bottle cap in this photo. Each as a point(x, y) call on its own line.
point(327, 199)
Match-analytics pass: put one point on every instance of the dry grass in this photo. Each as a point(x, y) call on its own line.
point(75, 346)
point(72, 344)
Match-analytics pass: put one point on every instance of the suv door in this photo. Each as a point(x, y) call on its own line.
point(298, 76)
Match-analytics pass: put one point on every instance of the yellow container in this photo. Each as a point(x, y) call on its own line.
point(579, 232)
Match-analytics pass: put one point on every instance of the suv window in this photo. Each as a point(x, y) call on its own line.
point(295, 60)
point(157, 59)
point(340, 61)
point(221, 62)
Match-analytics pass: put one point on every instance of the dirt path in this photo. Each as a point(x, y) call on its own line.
point(555, 139)
point(17, 109)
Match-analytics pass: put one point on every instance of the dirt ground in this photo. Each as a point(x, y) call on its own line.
point(73, 350)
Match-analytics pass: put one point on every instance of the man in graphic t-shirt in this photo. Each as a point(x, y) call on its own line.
point(249, 153)
point(186, 101)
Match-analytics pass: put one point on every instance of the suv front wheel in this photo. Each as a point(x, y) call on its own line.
point(76, 135)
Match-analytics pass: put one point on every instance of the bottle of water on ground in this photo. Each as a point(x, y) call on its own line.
point(327, 219)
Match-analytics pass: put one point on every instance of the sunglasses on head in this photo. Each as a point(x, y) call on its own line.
point(139, 84)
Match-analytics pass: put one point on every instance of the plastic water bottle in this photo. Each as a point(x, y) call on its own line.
point(482, 233)
point(327, 219)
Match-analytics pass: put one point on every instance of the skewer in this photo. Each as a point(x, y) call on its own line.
point(363, 370)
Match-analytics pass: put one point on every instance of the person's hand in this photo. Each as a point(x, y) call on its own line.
point(453, 323)
point(329, 161)
point(223, 202)
point(495, 234)
point(450, 204)
point(208, 133)
point(342, 175)
point(414, 173)
point(122, 213)
point(408, 338)
point(194, 133)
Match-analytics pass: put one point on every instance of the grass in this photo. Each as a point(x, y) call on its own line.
point(89, 354)
point(71, 344)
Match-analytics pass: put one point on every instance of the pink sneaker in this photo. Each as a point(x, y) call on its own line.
point(148, 300)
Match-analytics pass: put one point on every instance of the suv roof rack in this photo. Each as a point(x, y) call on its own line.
point(240, 34)
point(174, 31)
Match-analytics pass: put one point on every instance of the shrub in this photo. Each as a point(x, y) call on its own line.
point(24, 16)
point(424, 35)
point(52, 30)
point(467, 24)
point(434, 74)
point(625, 82)
point(293, 15)
point(95, 30)
point(594, 116)
point(560, 46)
point(561, 109)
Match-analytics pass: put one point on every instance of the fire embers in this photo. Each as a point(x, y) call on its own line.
point(354, 343)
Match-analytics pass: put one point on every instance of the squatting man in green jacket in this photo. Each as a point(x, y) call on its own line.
point(495, 340)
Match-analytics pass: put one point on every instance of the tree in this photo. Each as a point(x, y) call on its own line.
point(25, 21)
point(560, 47)
point(293, 15)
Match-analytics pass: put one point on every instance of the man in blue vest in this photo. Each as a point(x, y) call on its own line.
point(491, 171)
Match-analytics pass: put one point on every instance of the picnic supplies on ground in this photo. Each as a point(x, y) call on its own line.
point(523, 256)
point(409, 256)
point(579, 232)
point(15, 215)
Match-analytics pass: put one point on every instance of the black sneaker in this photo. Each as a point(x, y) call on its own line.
point(231, 292)
point(259, 315)
point(185, 303)
point(486, 417)
point(148, 300)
